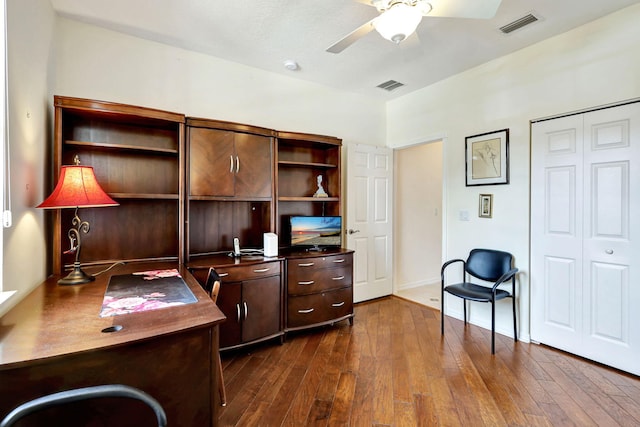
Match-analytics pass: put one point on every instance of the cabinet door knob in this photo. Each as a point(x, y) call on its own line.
point(337, 278)
point(309, 310)
point(238, 309)
point(223, 274)
point(306, 264)
point(337, 304)
point(338, 261)
point(261, 270)
point(308, 282)
point(237, 164)
point(246, 309)
point(230, 164)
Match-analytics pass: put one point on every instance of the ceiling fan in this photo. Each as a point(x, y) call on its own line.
point(398, 19)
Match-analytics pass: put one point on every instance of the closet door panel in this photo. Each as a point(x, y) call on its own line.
point(585, 246)
point(560, 294)
point(611, 242)
point(556, 230)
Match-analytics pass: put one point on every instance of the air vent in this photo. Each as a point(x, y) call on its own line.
point(390, 85)
point(519, 23)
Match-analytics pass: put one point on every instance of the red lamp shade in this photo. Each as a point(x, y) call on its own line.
point(77, 188)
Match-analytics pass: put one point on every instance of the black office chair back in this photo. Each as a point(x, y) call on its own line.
point(488, 264)
point(75, 395)
point(212, 277)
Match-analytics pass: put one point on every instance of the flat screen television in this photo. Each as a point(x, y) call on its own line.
point(315, 232)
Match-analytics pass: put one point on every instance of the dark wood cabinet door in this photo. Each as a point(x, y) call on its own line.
point(212, 162)
point(255, 163)
point(230, 303)
point(261, 308)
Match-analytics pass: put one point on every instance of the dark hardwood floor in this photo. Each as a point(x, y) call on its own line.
point(392, 368)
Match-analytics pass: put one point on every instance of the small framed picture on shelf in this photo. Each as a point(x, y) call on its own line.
point(485, 207)
point(487, 158)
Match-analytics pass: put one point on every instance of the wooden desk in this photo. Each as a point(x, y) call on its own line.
point(52, 341)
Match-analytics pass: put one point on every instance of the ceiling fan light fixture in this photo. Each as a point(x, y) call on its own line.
point(398, 22)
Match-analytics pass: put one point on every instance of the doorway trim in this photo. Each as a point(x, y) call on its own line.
point(434, 138)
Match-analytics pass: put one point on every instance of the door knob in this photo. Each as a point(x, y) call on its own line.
point(609, 251)
point(352, 231)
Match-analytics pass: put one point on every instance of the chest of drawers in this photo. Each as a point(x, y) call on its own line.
point(319, 289)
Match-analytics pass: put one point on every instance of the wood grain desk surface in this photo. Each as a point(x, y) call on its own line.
point(54, 321)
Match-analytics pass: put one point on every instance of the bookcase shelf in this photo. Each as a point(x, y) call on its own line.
point(301, 158)
point(306, 164)
point(308, 199)
point(125, 147)
point(136, 155)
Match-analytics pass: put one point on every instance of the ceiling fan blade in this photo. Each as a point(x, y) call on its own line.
point(351, 38)
point(478, 9)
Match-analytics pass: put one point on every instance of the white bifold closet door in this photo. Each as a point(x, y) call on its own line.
point(585, 235)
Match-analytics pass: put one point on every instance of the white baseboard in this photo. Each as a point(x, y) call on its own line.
point(411, 285)
point(4, 304)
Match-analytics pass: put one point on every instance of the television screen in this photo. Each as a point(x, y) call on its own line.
point(316, 231)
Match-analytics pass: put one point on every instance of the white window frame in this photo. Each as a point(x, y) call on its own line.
point(4, 295)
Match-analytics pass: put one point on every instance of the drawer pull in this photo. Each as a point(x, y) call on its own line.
point(223, 274)
point(338, 261)
point(337, 278)
point(307, 311)
point(308, 282)
point(306, 264)
point(261, 270)
point(238, 308)
point(246, 309)
point(337, 304)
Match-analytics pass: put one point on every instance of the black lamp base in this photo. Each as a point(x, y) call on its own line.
point(76, 277)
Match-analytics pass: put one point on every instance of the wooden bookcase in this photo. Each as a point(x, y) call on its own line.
point(136, 154)
point(230, 187)
point(187, 187)
point(300, 159)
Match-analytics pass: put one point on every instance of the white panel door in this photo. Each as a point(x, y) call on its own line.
point(556, 232)
point(369, 221)
point(611, 242)
point(585, 251)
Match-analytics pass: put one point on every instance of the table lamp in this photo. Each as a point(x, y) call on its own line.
point(77, 188)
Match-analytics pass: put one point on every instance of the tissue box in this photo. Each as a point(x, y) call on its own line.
point(270, 244)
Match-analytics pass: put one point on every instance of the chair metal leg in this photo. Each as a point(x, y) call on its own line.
point(513, 302)
point(493, 327)
point(515, 327)
point(464, 309)
point(442, 310)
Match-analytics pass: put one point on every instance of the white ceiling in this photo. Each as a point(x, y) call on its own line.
point(265, 33)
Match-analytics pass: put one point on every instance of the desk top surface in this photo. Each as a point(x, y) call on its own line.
point(56, 320)
point(224, 260)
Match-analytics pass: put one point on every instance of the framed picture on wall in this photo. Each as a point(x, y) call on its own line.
point(487, 158)
point(485, 206)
